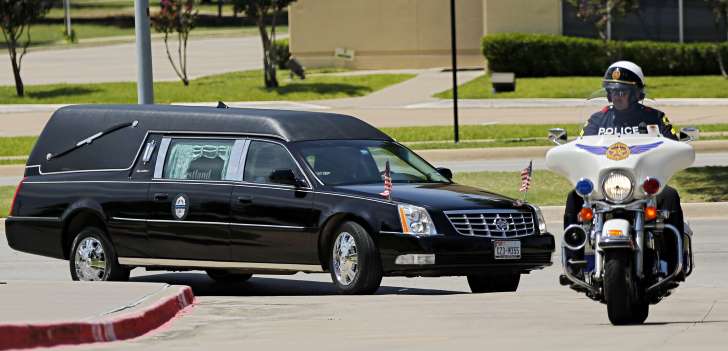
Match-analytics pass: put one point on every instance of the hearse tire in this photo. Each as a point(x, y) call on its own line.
point(354, 261)
point(227, 277)
point(489, 283)
point(93, 258)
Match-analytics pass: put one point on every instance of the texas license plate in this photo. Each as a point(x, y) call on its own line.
point(507, 249)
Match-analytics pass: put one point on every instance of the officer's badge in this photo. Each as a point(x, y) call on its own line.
point(618, 151)
point(616, 74)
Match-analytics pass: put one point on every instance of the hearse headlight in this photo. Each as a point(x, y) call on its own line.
point(617, 186)
point(541, 220)
point(415, 220)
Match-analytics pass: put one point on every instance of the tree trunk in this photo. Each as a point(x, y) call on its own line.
point(219, 9)
point(270, 70)
point(19, 88)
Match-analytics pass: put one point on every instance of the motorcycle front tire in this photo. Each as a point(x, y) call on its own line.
point(624, 305)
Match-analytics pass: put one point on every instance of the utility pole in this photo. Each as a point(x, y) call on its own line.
point(67, 14)
point(145, 88)
point(454, 50)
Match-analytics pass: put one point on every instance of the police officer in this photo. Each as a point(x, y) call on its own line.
point(624, 84)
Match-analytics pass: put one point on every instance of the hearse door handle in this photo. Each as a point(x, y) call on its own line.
point(245, 199)
point(161, 196)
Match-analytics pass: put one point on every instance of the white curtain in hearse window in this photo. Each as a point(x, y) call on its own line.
point(196, 159)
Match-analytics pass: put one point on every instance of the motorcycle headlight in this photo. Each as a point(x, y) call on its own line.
point(415, 220)
point(617, 187)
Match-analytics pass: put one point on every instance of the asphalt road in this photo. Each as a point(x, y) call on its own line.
point(303, 312)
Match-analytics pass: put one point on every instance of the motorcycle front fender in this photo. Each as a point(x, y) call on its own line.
point(616, 234)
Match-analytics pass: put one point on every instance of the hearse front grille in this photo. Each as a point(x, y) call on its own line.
point(492, 223)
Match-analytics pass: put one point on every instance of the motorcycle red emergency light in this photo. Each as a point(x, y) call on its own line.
point(651, 186)
point(650, 213)
point(15, 196)
point(586, 215)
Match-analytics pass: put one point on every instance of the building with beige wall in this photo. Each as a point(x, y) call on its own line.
point(408, 33)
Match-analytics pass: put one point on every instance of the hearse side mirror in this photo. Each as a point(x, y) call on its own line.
point(287, 177)
point(689, 134)
point(557, 136)
point(445, 172)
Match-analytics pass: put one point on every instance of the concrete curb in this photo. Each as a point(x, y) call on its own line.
point(451, 155)
point(117, 327)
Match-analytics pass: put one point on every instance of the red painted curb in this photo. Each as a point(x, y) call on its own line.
point(125, 326)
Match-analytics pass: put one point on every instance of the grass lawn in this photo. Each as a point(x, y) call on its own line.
point(16, 146)
point(236, 86)
point(698, 184)
point(6, 196)
point(582, 87)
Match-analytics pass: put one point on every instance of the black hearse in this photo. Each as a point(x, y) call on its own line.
point(238, 192)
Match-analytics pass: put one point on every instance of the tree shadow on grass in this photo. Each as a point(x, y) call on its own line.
point(60, 92)
point(709, 182)
point(323, 89)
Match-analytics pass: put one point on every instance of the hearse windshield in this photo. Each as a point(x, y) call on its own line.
point(345, 162)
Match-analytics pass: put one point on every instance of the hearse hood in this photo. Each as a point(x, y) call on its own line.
point(435, 196)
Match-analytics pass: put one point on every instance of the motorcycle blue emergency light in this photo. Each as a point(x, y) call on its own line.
point(584, 187)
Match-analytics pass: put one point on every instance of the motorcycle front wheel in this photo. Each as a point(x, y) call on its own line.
point(624, 303)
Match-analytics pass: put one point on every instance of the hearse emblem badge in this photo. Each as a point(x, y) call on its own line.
point(180, 206)
point(618, 151)
point(501, 224)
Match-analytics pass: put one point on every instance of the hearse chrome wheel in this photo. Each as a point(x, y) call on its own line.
point(346, 261)
point(92, 258)
point(354, 261)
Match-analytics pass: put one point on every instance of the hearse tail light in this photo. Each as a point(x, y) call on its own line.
point(15, 196)
point(415, 220)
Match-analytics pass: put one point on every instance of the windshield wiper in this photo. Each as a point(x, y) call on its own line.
point(91, 139)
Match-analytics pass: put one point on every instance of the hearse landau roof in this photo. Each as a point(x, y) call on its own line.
point(284, 124)
point(73, 125)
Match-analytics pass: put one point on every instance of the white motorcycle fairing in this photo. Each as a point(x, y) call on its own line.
point(639, 156)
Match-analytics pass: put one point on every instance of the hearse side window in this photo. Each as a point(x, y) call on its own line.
point(198, 159)
point(263, 159)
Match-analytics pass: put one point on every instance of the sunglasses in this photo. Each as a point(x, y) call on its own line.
point(618, 92)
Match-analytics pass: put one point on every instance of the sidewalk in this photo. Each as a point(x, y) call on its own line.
point(44, 314)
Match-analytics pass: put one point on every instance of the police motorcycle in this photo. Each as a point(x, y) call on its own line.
point(622, 253)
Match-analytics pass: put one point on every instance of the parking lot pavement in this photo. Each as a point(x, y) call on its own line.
point(303, 312)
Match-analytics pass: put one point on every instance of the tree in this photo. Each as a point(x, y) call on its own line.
point(15, 19)
point(176, 16)
point(720, 14)
point(600, 12)
point(258, 10)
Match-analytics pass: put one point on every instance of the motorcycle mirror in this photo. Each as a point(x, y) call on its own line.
point(557, 135)
point(689, 134)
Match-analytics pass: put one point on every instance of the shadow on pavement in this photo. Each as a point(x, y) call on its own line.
point(258, 286)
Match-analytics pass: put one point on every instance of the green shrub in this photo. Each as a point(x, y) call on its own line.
point(281, 53)
point(538, 55)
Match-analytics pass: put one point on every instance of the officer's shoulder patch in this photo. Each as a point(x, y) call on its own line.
point(647, 108)
point(605, 109)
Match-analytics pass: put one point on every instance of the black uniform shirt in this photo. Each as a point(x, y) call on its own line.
point(634, 120)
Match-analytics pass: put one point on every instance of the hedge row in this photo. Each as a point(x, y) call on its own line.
point(538, 55)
